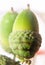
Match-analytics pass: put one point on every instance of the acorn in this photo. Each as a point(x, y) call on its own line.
point(25, 39)
point(6, 28)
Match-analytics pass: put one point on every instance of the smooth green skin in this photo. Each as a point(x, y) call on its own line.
point(26, 20)
point(6, 28)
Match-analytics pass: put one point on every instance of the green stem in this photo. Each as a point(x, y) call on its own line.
point(12, 10)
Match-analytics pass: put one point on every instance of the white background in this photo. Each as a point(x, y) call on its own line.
point(37, 6)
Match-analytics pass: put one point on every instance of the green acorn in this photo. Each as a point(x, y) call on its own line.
point(6, 28)
point(25, 39)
